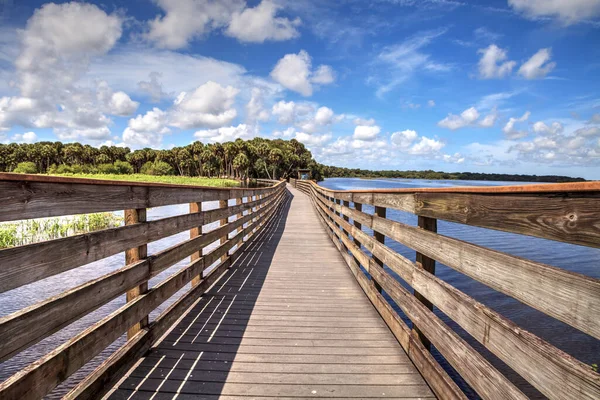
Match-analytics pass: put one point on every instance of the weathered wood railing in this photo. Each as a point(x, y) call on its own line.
point(31, 196)
point(567, 212)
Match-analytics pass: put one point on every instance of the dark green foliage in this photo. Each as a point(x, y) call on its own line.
point(333, 172)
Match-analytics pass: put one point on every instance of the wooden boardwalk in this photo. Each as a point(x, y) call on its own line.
point(288, 320)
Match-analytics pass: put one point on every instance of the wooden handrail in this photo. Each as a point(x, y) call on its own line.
point(570, 297)
point(33, 196)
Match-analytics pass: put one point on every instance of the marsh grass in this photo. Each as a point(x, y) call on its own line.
point(178, 180)
point(36, 230)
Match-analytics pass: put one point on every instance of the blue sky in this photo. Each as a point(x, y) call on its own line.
point(493, 86)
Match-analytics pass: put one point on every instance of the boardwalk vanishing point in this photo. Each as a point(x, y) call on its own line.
point(298, 299)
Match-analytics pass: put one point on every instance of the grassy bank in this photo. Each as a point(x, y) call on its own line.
point(178, 180)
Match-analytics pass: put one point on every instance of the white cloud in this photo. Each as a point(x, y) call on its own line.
point(493, 64)
point(426, 146)
point(121, 104)
point(541, 128)
point(57, 45)
point(260, 23)
point(27, 137)
point(210, 105)
point(294, 72)
point(227, 134)
point(588, 131)
point(466, 118)
point(323, 75)
point(431, 103)
point(324, 116)
point(185, 20)
point(489, 120)
point(568, 12)
point(312, 140)
point(362, 121)
point(289, 112)
point(366, 133)
point(509, 129)
point(538, 66)
point(255, 110)
point(153, 87)
point(404, 139)
point(146, 130)
point(456, 158)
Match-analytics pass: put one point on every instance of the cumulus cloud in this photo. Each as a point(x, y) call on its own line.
point(509, 129)
point(210, 105)
point(466, 118)
point(260, 23)
point(227, 134)
point(569, 12)
point(469, 117)
point(289, 112)
point(541, 128)
point(186, 20)
point(146, 130)
point(255, 110)
point(455, 158)
point(153, 87)
point(426, 146)
point(493, 63)
point(538, 66)
point(366, 133)
point(27, 137)
point(404, 139)
point(294, 72)
point(594, 119)
point(312, 140)
point(324, 116)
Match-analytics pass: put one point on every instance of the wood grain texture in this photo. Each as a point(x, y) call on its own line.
point(561, 376)
point(42, 376)
point(132, 256)
point(26, 264)
point(35, 199)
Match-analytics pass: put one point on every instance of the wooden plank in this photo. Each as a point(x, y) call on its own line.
point(106, 375)
point(427, 264)
point(42, 376)
point(521, 350)
point(571, 218)
point(132, 256)
point(30, 263)
point(439, 381)
point(195, 232)
point(470, 364)
point(28, 326)
point(25, 199)
point(567, 296)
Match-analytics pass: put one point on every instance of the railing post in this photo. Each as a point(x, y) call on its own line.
point(380, 212)
point(428, 264)
point(195, 232)
point(357, 225)
point(239, 215)
point(133, 255)
point(224, 221)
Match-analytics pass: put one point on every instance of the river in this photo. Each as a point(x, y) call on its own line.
point(574, 258)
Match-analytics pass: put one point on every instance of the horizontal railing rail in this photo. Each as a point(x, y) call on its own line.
point(568, 212)
point(29, 196)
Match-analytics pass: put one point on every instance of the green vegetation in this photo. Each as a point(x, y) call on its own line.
point(36, 230)
point(177, 180)
point(337, 172)
point(255, 158)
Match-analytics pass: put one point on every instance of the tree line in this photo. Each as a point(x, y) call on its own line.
point(331, 172)
point(240, 159)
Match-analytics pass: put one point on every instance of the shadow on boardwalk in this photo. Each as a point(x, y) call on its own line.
point(195, 358)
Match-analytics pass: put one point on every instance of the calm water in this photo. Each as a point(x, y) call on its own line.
point(574, 258)
point(570, 257)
